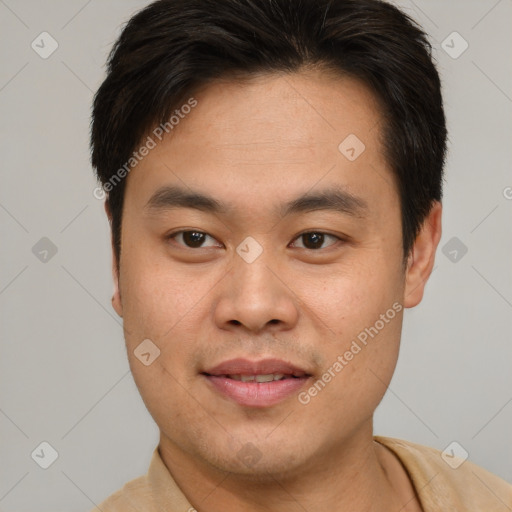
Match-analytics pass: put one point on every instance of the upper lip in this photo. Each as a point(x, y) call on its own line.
point(242, 366)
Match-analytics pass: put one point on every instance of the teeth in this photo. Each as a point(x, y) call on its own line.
point(258, 378)
point(265, 378)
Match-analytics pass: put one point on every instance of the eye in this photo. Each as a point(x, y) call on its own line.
point(313, 240)
point(190, 239)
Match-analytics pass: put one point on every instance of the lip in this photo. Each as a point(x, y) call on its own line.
point(256, 394)
point(241, 366)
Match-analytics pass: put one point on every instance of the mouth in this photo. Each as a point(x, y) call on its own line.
point(256, 384)
point(269, 377)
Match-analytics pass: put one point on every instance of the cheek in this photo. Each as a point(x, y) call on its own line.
point(158, 300)
point(354, 295)
point(160, 306)
point(359, 366)
point(362, 312)
point(162, 303)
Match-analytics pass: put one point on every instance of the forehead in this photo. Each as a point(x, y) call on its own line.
point(301, 110)
point(268, 136)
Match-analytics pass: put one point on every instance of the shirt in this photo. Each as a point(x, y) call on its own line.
point(442, 482)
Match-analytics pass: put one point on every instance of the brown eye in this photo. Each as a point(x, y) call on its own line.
point(313, 240)
point(190, 239)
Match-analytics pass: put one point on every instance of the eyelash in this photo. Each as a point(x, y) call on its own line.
point(172, 236)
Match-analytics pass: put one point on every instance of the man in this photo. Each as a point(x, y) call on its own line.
point(273, 171)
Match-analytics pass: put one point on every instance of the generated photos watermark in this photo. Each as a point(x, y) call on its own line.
point(150, 143)
point(343, 360)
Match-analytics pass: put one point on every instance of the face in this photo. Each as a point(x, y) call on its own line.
point(294, 254)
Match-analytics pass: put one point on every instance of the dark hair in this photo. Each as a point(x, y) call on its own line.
point(173, 46)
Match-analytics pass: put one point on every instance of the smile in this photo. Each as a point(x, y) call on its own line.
point(261, 383)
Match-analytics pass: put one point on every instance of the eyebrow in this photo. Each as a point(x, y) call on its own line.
point(332, 198)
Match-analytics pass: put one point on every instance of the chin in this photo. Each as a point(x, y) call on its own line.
point(256, 462)
point(264, 471)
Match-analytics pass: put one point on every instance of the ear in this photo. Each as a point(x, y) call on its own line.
point(421, 258)
point(116, 297)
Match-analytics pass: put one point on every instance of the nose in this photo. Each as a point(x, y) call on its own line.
point(256, 296)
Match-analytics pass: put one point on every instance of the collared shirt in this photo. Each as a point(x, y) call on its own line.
point(443, 484)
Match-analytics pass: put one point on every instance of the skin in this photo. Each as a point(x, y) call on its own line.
point(255, 144)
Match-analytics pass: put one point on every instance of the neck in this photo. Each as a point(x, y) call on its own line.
point(354, 475)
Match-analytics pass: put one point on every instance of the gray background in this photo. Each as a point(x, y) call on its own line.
point(63, 368)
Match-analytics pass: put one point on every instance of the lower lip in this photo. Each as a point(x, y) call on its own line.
point(257, 394)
